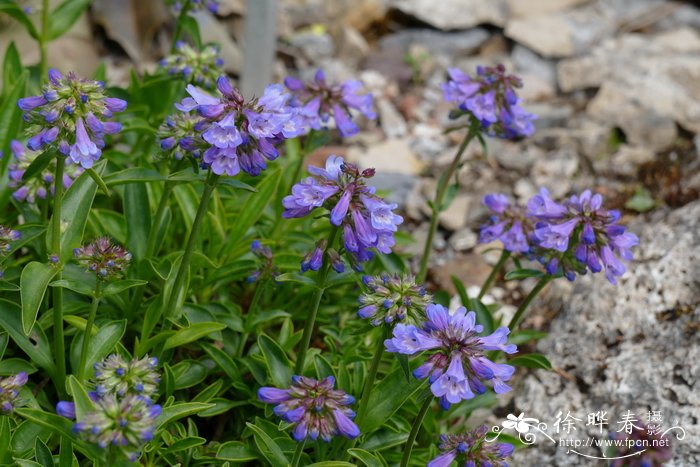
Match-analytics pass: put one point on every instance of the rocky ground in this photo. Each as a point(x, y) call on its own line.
point(616, 86)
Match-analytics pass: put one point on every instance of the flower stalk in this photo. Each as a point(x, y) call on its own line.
point(320, 289)
point(58, 338)
point(414, 431)
point(544, 280)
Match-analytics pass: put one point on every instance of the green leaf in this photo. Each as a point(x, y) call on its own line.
point(641, 201)
point(268, 447)
point(236, 184)
point(74, 214)
point(117, 287)
point(189, 25)
point(65, 15)
point(11, 116)
point(277, 361)
point(403, 363)
point(236, 451)
point(178, 411)
point(367, 458)
point(11, 8)
point(138, 219)
point(331, 464)
point(531, 360)
point(37, 348)
point(184, 444)
point(33, 282)
point(98, 180)
point(387, 397)
point(11, 67)
point(74, 285)
point(483, 316)
point(42, 453)
point(520, 274)
point(295, 277)
point(224, 361)
point(83, 403)
point(522, 336)
point(38, 165)
point(191, 334)
point(133, 175)
point(60, 426)
point(254, 206)
point(104, 342)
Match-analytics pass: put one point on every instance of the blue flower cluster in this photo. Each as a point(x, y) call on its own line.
point(318, 100)
point(458, 362)
point(71, 114)
point(472, 450)
point(9, 391)
point(197, 67)
point(313, 408)
point(392, 298)
point(490, 99)
point(568, 237)
point(230, 133)
point(366, 219)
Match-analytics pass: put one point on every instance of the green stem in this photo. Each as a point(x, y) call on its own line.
point(371, 376)
point(505, 254)
point(530, 297)
point(250, 314)
point(44, 39)
point(156, 226)
point(438, 201)
point(171, 305)
point(298, 452)
point(292, 146)
point(414, 431)
point(178, 25)
point(58, 340)
point(88, 329)
point(320, 289)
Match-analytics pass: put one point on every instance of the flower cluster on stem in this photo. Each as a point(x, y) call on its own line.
point(201, 68)
point(71, 115)
point(472, 450)
point(392, 298)
point(104, 258)
point(314, 408)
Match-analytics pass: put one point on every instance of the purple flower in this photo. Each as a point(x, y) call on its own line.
point(472, 449)
point(66, 409)
point(490, 100)
point(457, 364)
point(580, 234)
point(390, 299)
point(509, 224)
point(266, 268)
point(367, 221)
point(7, 237)
point(39, 186)
point(102, 257)
point(228, 132)
point(317, 100)
point(313, 408)
point(71, 115)
point(9, 391)
point(314, 259)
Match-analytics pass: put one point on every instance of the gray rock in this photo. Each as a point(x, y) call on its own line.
point(463, 240)
point(555, 171)
point(398, 186)
point(391, 121)
point(313, 46)
point(621, 347)
point(455, 216)
point(452, 44)
point(523, 8)
point(393, 156)
point(454, 14)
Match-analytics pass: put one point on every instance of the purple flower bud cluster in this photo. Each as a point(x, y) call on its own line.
point(569, 238)
point(178, 135)
point(490, 99)
point(124, 414)
point(366, 219)
point(124, 423)
point(392, 298)
point(196, 5)
point(7, 236)
point(457, 365)
point(472, 450)
point(266, 268)
point(114, 375)
point(318, 100)
point(313, 408)
point(106, 260)
point(9, 391)
point(199, 68)
point(71, 114)
point(231, 133)
point(644, 447)
point(37, 187)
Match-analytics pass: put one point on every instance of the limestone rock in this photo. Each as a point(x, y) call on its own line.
point(393, 156)
point(623, 347)
point(454, 14)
